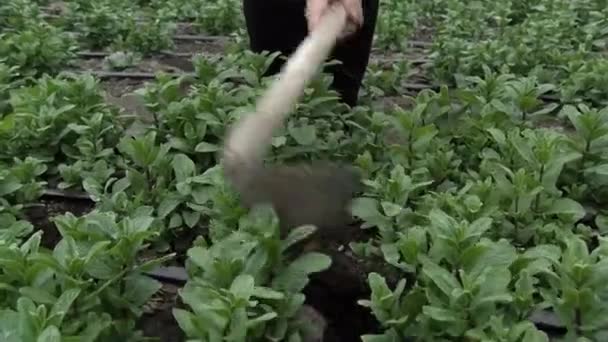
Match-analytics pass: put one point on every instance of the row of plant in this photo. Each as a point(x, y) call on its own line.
point(148, 27)
point(147, 188)
point(560, 42)
point(485, 216)
point(465, 187)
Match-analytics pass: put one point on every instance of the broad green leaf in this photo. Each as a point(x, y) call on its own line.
point(498, 135)
point(499, 254)
point(242, 286)
point(252, 323)
point(296, 235)
point(479, 226)
point(566, 206)
point(378, 285)
point(534, 335)
point(471, 256)
point(311, 263)
point(8, 186)
point(601, 170)
point(205, 147)
point(9, 323)
point(140, 288)
point(444, 280)
point(238, 325)
point(168, 205)
point(191, 218)
point(27, 321)
point(295, 276)
point(367, 210)
point(183, 167)
point(497, 298)
point(38, 295)
point(440, 314)
point(391, 209)
point(601, 221)
point(50, 334)
point(576, 250)
point(304, 135)
point(267, 293)
point(63, 304)
point(391, 254)
point(524, 149)
point(389, 336)
point(185, 320)
point(440, 220)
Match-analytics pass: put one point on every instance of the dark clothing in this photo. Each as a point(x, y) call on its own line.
point(280, 25)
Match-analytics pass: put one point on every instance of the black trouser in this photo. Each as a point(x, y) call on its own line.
point(280, 25)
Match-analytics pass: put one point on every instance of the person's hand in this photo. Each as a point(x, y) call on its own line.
point(315, 9)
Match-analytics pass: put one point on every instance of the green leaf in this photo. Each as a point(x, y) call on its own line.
point(242, 286)
point(267, 293)
point(389, 336)
point(524, 149)
point(365, 208)
point(185, 320)
point(167, 206)
point(601, 221)
point(498, 135)
point(63, 304)
point(444, 223)
point(440, 314)
point(252, 323)
point(479, 226)
point(296, 235)
point(391, 209)
point(378, 285)
point(183, 167)
point(38, 295)
point(311, 263)
point(295, 277)
point(569, 207)
point(496, 254)
point(206, 148)
point(304, 135)
point(191, 218)
point(601, 170)
point(9, 186)
point(440, 276)
point(140, 288)
point(50, 334)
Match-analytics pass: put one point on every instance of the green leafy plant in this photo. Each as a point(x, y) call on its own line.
point(62, 113)
point(121, 60)
point(249, 290)
point(577, 288)
point(38, 49)
point(148, 37)
point(100, 23)
point(217, 17)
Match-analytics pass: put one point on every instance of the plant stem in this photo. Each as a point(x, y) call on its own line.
point(540, 180)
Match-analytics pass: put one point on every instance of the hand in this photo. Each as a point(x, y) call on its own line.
point(315, 9)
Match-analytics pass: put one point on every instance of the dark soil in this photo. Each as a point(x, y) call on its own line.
point(158, 321)
point(145, 65)
point(186, 28)
point(120, 87)
point(194, 47)
point(424, 32)
point(40, 215)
